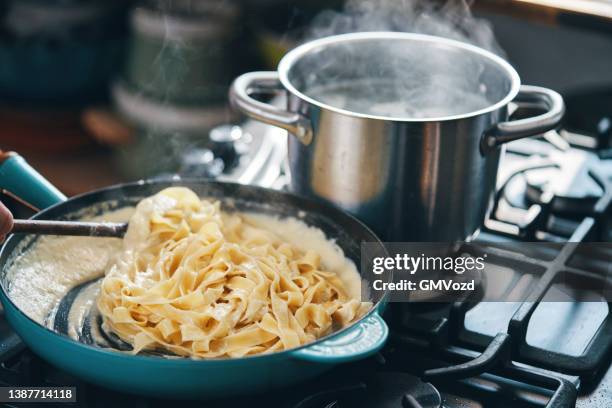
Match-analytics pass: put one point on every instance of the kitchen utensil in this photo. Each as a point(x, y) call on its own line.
point(182, 377)
point(181, 53)
point(425, 175)
point(173, 87)
point(78, 228)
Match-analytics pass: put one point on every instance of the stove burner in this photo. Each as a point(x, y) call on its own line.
point(383, 390)
point(562, 182)
point(566, 184)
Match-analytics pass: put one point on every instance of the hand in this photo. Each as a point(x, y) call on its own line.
point(6, 221)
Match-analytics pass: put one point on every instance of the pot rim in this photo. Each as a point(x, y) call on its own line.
point(294, 55)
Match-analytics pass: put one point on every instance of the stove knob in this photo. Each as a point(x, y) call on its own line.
point(223, 141)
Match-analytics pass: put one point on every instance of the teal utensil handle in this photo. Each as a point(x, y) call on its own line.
point(364, 339)
point(18, 177)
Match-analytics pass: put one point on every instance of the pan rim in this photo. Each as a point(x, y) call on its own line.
point(181, 360)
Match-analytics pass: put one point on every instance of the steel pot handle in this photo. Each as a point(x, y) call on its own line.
point(18, 177)
point(360, 341)
point(267, 82)
point(533, 96)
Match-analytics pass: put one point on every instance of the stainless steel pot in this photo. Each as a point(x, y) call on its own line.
point(425, 176)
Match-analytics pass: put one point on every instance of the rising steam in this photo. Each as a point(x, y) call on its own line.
point(451, 19)
point(403, 77)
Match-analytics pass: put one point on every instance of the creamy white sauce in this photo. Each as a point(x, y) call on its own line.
point(40, 277)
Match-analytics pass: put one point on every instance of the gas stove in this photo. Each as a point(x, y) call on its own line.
point(528, 353)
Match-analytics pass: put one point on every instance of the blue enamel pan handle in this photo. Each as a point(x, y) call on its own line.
point(18, 177)
point(365, 338)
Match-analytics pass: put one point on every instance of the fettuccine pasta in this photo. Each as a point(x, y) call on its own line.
point(198, 282)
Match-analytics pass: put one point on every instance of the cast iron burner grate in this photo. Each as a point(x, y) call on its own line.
point(567, 200)
point(547, 196)
point(565, 216)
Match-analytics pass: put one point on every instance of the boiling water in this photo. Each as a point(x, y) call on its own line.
point(391, 99)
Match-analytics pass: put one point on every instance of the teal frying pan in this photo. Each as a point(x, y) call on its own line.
point(183, 377)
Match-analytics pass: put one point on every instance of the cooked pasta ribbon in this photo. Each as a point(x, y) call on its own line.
point(198, 282)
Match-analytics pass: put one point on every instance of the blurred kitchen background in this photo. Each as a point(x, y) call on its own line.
point(95, 92)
